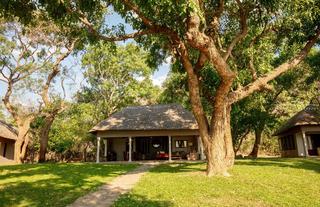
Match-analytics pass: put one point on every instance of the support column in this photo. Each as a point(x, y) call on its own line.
point(305, 144)
point(105, 141)
point(98, 150)
point(170, 148)
point(200, 148)
point(130, 149)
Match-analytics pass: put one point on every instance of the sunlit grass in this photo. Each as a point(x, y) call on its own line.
point(53, 184)
point(262, 182)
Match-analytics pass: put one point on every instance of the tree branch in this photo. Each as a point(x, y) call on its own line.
point(194, 92)
point(6, 100)
point(136, 9)
point(253, 41)
point(94, 32)
point(200, 63)
point(55, 71)
point(243, 32)
point(263, 81)
point(220, 9)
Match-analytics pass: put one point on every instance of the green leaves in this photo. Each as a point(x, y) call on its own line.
point(117, 76)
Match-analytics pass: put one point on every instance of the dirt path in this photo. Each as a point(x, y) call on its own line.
point(108, 193)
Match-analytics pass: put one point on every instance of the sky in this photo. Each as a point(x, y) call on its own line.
point(73, 84)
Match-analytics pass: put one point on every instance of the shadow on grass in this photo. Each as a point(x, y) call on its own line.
point(134, 200)
point(178, 168)
point(53, 184)
point(312, 164)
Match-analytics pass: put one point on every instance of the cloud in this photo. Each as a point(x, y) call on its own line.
point(158, 81)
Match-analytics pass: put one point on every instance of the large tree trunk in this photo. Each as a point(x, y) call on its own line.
point(17, 151)
point(44, 137)
point(230, 155)
point(215, 153)
point(258, 139)
point(219, 150)
point(22, 140)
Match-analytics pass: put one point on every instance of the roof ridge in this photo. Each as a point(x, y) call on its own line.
point(152, 105)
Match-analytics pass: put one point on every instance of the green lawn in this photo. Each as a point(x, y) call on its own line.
point(264, 182)
point(53, 184)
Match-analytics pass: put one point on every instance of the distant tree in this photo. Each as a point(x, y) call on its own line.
point(268, 113)
point(116, 76)
point(314, 61)
point(70, 135)
point(27, 54)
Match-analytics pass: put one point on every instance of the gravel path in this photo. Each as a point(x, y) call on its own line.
point(108, 193)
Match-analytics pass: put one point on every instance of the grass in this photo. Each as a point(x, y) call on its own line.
point(262, 182)
point(53, 184)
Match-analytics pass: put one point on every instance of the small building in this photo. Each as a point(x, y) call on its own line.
point(166, 131)
point(8, 137)
point(300, 135)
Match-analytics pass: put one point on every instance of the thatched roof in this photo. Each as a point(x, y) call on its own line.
point(153, 117)
point(7, 131)
point(308, 116)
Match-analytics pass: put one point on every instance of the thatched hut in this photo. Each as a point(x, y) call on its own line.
point(166, 131)
point(8, 137)
point(300, 135)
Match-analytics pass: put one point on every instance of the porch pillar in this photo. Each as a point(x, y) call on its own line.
point(130, 149)
point(305, 143)
point(105, 141)
point(98, 150)
point(169, 139)
point(200, 148)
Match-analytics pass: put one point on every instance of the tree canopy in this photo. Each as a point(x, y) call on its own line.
point(116, 76)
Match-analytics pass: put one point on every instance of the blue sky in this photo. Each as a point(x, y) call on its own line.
point(73, 84)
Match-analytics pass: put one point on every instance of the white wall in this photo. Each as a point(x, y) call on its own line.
point(118, 146)
point(300, 145)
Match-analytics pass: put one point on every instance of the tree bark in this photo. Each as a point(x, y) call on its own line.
point(44, 137)
point(219, 150)
point(17, 150)
point(258, 139)
point(216, 154)
point(230, 155)
point(22, 139)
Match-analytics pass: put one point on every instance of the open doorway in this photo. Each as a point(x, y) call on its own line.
point(148, 148)
point(315, 144)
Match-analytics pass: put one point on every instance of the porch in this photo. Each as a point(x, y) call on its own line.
point(301, 141)
point(147, 148)
point(313, 144)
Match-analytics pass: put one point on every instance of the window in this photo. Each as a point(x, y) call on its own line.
point(181, 143)
point(288, 142)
